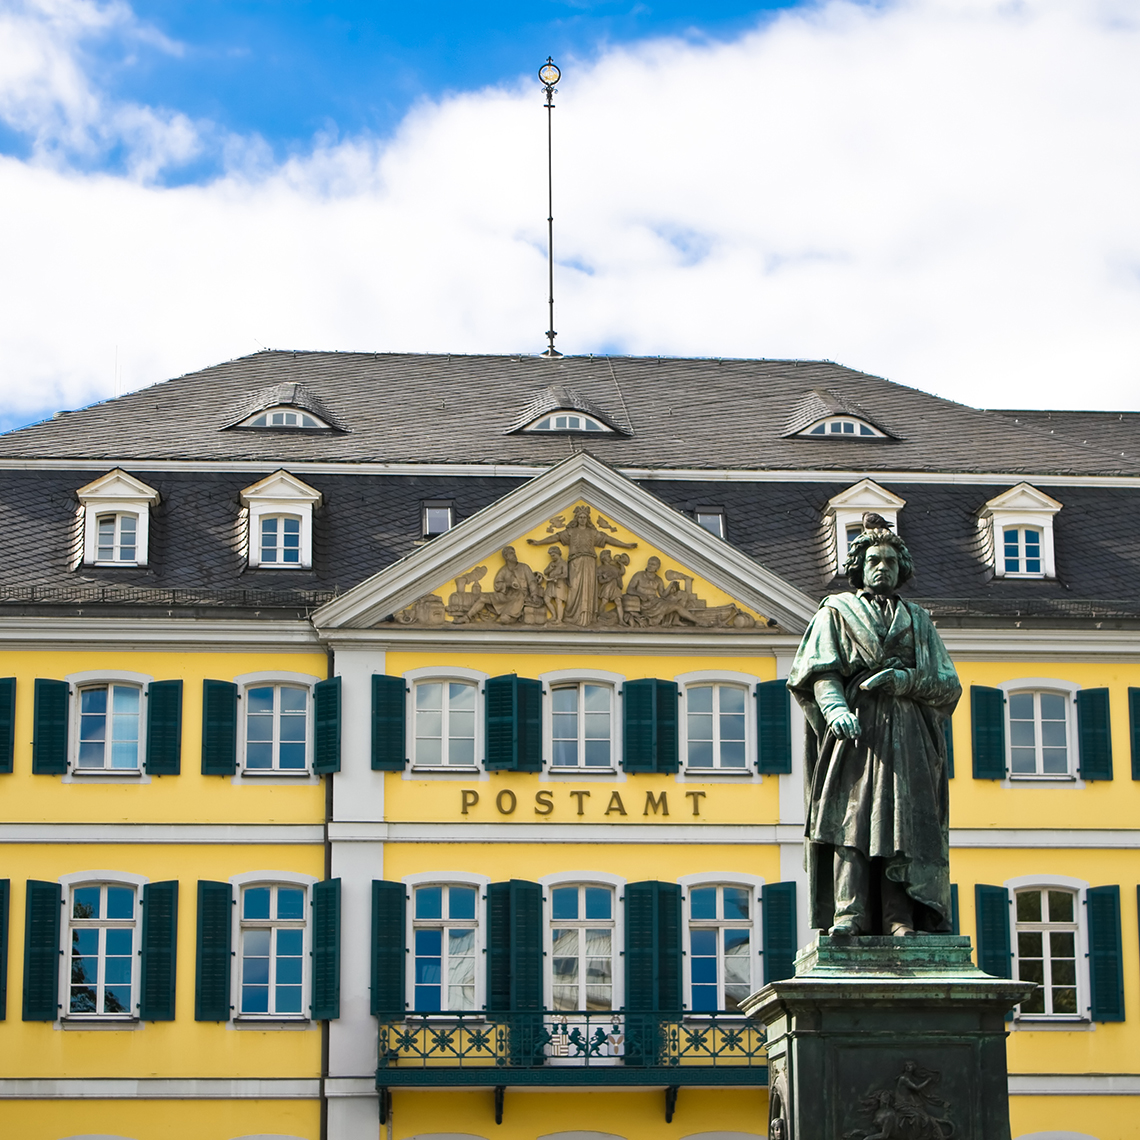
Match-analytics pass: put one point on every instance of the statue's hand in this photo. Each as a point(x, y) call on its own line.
point(889, 680)
point(845, 724)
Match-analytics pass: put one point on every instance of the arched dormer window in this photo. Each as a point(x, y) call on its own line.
point(846, 427)
point(116, 520)
point(566, 421)
point(284, 417)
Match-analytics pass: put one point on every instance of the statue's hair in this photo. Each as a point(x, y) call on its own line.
point(859, 546)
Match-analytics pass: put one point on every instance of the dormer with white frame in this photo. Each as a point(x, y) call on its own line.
point(280, 522)
point(845, 513)
point(116, 520)
point(1017, 527)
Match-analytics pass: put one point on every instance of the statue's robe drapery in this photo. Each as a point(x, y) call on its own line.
point(884, 793)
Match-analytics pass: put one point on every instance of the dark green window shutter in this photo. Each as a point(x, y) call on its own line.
point(514, 946)
point(948, 735)
point(781, 938)
point(513, 712)
point(995, 955)
point(987, 717)
point(5, 896)
point(326, 707)
point(649, 726)
point(1134, 729)
point(388, 951)
point(49, 733)
point(1106, 966)
point(326, 949)
point(41, 951)
point(955, 924)
point(7, 723)
point(219, 731)
point(164, 728)
point(389, 728)
point(159, 950)
point(1094, 731)
point(774, 727)
point(212, 974)
point(653, 947)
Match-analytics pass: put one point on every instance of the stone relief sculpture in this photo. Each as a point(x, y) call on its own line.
point(908, 1110)
point(586, 587)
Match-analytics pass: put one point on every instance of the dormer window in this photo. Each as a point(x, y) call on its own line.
point(1017, 527)
point(847, 427)
point(844, 515)
point(280, 522)
point(118, 538)
point(283, 418)
point(567, 421)
point(116, 520)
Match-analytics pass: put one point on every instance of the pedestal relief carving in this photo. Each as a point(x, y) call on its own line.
point(906, 1109)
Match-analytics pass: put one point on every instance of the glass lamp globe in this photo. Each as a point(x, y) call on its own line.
point(549, 74)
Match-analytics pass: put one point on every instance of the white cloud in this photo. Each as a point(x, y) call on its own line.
point(940, 191)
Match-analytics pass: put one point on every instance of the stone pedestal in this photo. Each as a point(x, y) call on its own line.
point(887, 1039)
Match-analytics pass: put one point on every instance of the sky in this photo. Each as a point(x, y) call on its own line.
point(942, 192)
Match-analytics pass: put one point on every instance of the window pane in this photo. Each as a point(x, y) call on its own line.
point(126, 699)
point(702, 942)
point(259, 756)
point(700, 751)
point(1029, 906)
point(1060, 906)
point(292, 757)
point(429, 902)
point(121, 903)
point(1021, 706)
point(700, 698)
point(598, 949)
point(702, 902)
point(429, 752)
point(564, 902)
point(259, 700)
point(732, 753)
point(85, 902)
point(598, 902)
point(1064, 1000)
point(290, 903)
point(293, 728)
point(289, 943)
point(1055, 761)
point(93, 701)
point(256, 903)
point(1029, 943)
point(429, 696)
point(461, 902)
point(461, 751)
point(565, 753)
point(1052, 706)
point(597, 753)
point(461, 697)
point(736, 902)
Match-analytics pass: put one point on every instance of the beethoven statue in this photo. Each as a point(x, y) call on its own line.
point(876, 685)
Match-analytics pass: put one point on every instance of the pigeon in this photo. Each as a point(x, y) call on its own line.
point(873, 521)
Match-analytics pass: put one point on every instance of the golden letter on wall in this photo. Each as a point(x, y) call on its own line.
point(510, 796)
point(657, 803)
point(468, 798)
point(615, 804)
point(543, 803)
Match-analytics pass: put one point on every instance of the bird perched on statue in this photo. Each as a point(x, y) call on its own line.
point(874, 521)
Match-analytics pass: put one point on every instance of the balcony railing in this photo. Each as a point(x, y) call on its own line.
point(555, 1047)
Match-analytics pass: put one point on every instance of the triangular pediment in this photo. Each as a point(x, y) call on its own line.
point(280, 487)
point(866, 495)
point(596, 519)
point(1023, 497)
point(117, 485)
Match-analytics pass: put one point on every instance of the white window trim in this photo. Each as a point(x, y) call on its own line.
point(720, 879)
point(436, 505)
point(271, 879)
point(746, 681)
point(116, 493)
point(248, 681)
point(1022, 505)
point(1079, 887)
point(858, 421)
point(90, 678)
point(320, 425)
point(446, 879)
point(712, 512)
point(581, 677)
point(98, 878)
point(280, 494)
point(847, 509)
point(435, 673)
point(1070, 779)
point(584, 879)
point(533, 425)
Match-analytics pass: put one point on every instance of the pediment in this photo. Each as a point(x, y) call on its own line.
point(866, 495)
point(280, 487)
point(117, 485)
point(496, 569)
point(1023, 497)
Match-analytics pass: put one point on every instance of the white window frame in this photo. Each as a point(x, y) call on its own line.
point(116, 493)
point(755, 884)
point(280, 494)
point(862, 429)
point(436, 505)
point(600, 429)
point(247, 681)
point(558, 677)
point(1059, 883)
point(703, 677)
point(108, 879)
point(91, 679)
point(718, 513)
point(847, 509)
point(1069, 690)
point(433, 674)
point(272, 879)
point(302, 413)
point(446, 879)
point(584, 879)
point(1021, 506)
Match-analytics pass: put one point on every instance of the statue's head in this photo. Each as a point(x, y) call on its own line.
point(555, 552)
point(606, 556)
point(582, 515)
point(653, 565)
point(509, 555)
point(880, 541)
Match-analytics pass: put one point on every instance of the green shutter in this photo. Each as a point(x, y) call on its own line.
point(1106, 966)
point(326, 702)
point(513, 711)
point(987, 723)
point(7, 725)
point(499, 947)
point(5, 896)
point(948, 736)
point(49, 734)
point(41, 951)
point(955, 923)
point(668, 728)
point(514, 947)
point(1134, 729)
point(159, 951)
point(164, 728)
point(326, 949)
point(389, 728)
point(1094, 731)
point(212, 974)
point(649, 726)
point(991, 905)
point(219, 730)
point(774, 727)
point(781, 937)
point(652, 947)
point(388, 951)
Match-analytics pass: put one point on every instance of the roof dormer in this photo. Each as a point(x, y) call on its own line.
point(286, 407)
point(1017, 528)
point(823, 414)
point(561, 410)
point(280, 535)
point(843, 516)
point(116, 520)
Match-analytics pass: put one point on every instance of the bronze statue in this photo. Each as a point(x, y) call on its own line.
point(876, 685)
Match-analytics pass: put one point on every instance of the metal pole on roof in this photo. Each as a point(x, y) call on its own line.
point(549, 74)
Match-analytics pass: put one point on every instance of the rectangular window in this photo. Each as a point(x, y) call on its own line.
point(109, 727)
point(582, 947)
point(720, 948)
point(276, 728)
point(1038, 734)
point(102, 926)
point(1047, 951)
point(117, 538)
point(437, 519)
point(272, 950)
point(580, 726)
point(1022, 550)
point(280, 540)
point(716, 722)
point(712, 521)
point(445, 724)
point(443, 925)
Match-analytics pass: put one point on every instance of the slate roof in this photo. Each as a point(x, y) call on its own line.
point(679, 413)
point(1116, 433)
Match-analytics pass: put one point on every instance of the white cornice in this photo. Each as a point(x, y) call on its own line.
point(1117, 645)
point(261, 635)
point(1073, 1084)
point(225, 834)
